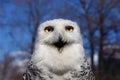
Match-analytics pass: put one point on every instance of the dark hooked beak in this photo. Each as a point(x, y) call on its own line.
point(60, 43)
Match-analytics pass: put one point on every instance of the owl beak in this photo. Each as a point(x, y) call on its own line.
point(60, 39)
point(60, 44)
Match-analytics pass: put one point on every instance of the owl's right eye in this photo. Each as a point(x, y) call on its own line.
point(49, 29)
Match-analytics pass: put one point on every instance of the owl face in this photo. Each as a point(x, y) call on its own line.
point(59, 33)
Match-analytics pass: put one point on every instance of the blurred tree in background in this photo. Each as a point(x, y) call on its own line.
point(102, 20)
point(99, 21)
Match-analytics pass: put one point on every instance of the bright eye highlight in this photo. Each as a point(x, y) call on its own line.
point(49, 29)
point(69, 28)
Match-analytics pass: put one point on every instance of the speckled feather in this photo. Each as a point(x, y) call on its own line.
point(33, 73)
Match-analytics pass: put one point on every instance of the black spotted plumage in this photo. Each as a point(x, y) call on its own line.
point(33, 73)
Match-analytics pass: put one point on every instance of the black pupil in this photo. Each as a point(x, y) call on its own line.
point(49, 28)
point(69, 27)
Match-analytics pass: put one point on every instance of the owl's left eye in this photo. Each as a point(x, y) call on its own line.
point(49, 29)
point(69, 28)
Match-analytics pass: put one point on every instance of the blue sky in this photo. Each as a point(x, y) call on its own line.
point(14, 33)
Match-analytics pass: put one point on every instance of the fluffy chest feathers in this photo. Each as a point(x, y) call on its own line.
point(49, 58)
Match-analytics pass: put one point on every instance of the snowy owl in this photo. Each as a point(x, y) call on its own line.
point(58, 53)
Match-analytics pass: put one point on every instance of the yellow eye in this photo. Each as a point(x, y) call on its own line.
point(49, 29)
point(69, 28)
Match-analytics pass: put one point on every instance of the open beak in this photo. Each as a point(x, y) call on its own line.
point(59, 44)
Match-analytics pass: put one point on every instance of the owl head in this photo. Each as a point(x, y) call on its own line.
point(59, 33)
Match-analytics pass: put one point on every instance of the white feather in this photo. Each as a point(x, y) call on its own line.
point(49, 58)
